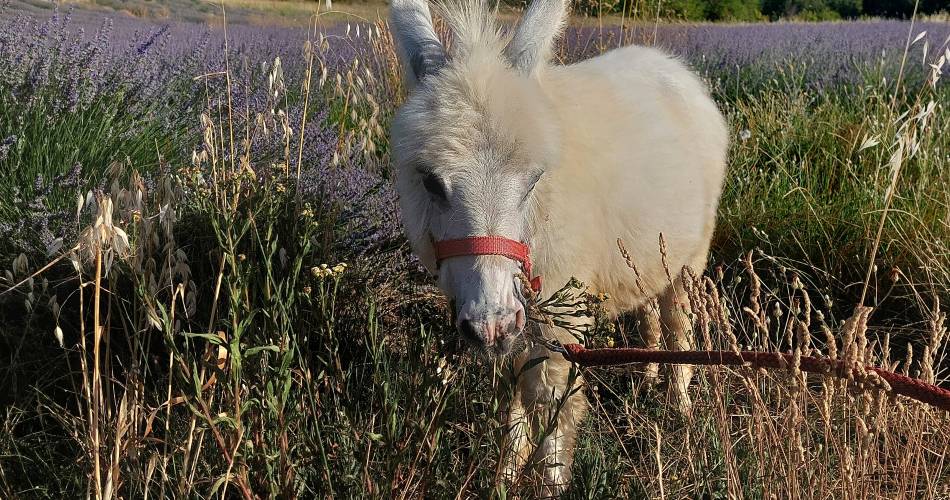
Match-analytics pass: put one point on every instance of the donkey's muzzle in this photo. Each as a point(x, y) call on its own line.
point(494, 330)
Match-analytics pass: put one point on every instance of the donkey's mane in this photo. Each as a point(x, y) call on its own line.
point(474, 30)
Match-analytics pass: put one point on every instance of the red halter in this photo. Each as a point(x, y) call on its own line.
point(489, 245)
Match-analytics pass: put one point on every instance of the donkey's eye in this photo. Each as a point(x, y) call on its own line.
point(435, 186)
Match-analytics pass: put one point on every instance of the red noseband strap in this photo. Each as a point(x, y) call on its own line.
point(489, 245)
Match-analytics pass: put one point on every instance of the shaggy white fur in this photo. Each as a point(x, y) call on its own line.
point(495, 141)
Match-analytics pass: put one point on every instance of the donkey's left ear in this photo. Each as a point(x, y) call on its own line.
point(530, 47)
point(419, 48)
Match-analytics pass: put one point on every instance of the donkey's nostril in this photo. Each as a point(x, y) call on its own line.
point(468, 329)
point(519, 320)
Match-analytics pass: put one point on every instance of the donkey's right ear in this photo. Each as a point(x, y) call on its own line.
point(419, 48)
point(531, 45)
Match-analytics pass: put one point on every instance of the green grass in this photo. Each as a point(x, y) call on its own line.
point(801, 187)
point(117, 126)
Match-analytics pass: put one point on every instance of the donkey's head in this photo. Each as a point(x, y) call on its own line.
point(471, 146)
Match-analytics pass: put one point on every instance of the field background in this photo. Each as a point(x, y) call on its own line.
point(205, 290)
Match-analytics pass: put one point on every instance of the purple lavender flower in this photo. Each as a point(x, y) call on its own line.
point(6, 145)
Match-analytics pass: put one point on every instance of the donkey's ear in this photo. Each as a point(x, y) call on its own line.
point(530, 47)
point(419, 48)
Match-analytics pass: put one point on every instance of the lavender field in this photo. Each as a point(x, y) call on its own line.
point(205, 290)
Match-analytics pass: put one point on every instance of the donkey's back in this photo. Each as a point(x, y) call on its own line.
point(644, 154)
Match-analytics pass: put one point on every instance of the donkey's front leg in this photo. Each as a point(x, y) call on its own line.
point(521, 417)
point(562, 407)
point(517, 447)
point(554, 398)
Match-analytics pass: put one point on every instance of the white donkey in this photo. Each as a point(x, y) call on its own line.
point(498, 154)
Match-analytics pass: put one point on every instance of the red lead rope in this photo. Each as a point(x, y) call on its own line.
point(515, 250)
point(900, 384)
point(489, 245)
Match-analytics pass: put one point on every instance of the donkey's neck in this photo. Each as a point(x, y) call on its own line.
point(568, 217)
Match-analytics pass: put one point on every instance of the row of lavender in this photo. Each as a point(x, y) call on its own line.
point(148, 74)
point(821, 54)
point(78, 56)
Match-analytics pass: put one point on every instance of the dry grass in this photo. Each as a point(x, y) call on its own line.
point(781, 434)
